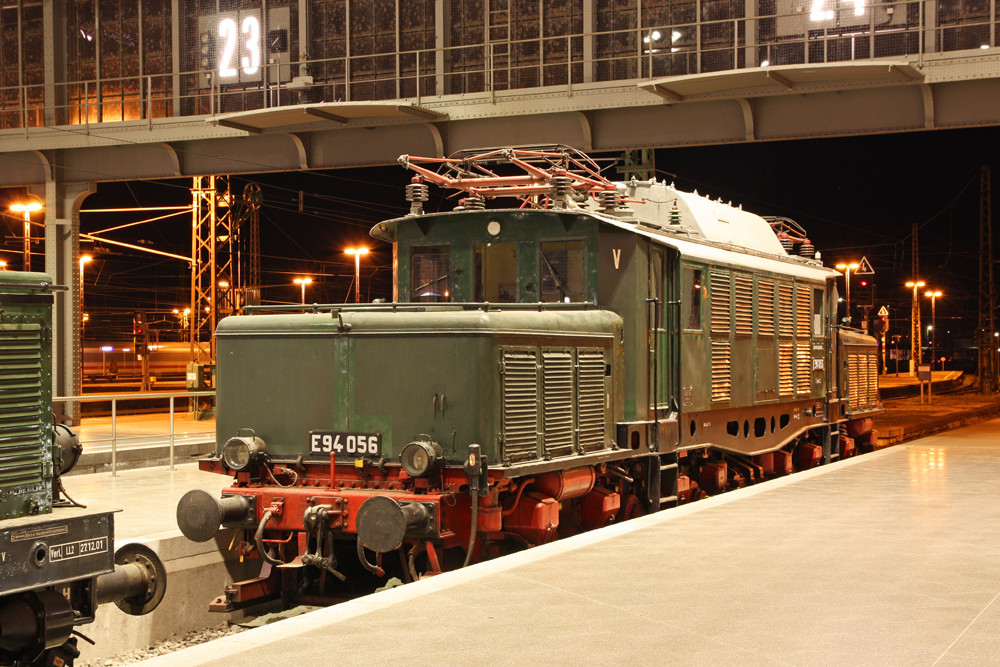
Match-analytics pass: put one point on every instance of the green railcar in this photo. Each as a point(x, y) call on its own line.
point(59, 560)
point(597, 351)
point(27, 454)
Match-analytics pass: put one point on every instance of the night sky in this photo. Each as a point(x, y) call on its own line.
point(860, 196)
point(855, 196)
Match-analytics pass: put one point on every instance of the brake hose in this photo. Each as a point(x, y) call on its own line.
point(475, 518)
point(260, 540)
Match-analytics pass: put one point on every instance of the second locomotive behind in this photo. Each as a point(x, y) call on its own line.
point(599, 351)
point(57, 559)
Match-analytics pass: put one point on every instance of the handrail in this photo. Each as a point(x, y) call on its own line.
point(421, 306)
point(114, 398)
point(613, 56)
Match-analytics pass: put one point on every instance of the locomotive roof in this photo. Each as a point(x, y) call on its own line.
point(555, 319)
point(22, 278)
point(698, 227)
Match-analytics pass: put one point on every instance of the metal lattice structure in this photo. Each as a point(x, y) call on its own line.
point(916, 343)
point(212, 243)
point(225, 251)
point(247, 229)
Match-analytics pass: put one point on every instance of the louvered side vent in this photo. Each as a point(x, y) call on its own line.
point(744, 304)
point(803, 367)
point(765, 308)
point(557, 402)
point(872, 379)
point(721, 367)
point(520, 405)
point(590, 399)
point(803, 311)
point(862, 380)
point(20, 405)
point(856, 371)
point(786, 323)
point(722, 300)
point(786, 382)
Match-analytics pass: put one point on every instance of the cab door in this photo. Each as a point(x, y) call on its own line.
point(661, 320)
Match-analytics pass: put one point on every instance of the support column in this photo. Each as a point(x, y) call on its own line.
point(929, 42)
point(304, 10)
point(752, 55)
point(62, 260)
point(442, 39)
point(54, 62)
point(589, 20)
point(175, 50)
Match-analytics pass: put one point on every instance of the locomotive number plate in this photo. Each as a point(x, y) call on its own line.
point(345, 444)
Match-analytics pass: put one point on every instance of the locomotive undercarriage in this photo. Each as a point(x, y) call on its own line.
point(318, 545)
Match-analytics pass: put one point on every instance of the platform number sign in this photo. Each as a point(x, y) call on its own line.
point(239, 43)
point(232, 46)
point(821, 9)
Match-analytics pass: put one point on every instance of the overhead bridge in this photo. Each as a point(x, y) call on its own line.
point(157, 89)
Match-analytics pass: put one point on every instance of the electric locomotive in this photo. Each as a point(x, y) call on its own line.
point(56, 558)
point(598, 351)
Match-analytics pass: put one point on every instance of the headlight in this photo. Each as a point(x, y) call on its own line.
point(239, 452)
point(419, 458)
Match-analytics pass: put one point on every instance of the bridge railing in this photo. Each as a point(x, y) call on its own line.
point(556, 63)
point(116, 436)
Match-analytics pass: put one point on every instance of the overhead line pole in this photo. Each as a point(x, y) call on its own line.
point(987, 341)
point(915, 342)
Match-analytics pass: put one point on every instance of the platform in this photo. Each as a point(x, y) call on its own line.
point(887, 558)
point(142, 440)
point(148, 498)
point(147, 502)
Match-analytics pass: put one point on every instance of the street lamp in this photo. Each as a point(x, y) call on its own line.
point(933, 294)
point(357, 252)
point(183, 316)
point(847, 268)
point(3, 265)
point(915, 353)
point(303, 282)
point(27, 209)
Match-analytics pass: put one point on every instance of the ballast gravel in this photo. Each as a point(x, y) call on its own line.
point(169, 645)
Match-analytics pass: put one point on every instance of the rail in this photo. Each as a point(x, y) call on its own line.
point(553, 62)
point(149, 396)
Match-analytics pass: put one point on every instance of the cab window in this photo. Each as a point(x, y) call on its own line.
point(496, 272)
point(561, 271)
point(430, 273)
point(691, 304)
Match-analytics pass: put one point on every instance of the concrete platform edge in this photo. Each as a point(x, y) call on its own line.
point(256, 638)
point(191, 567)
point(900, 435)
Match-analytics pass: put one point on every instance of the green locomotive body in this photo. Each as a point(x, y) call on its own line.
point(374, 379)
point(605, 350)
